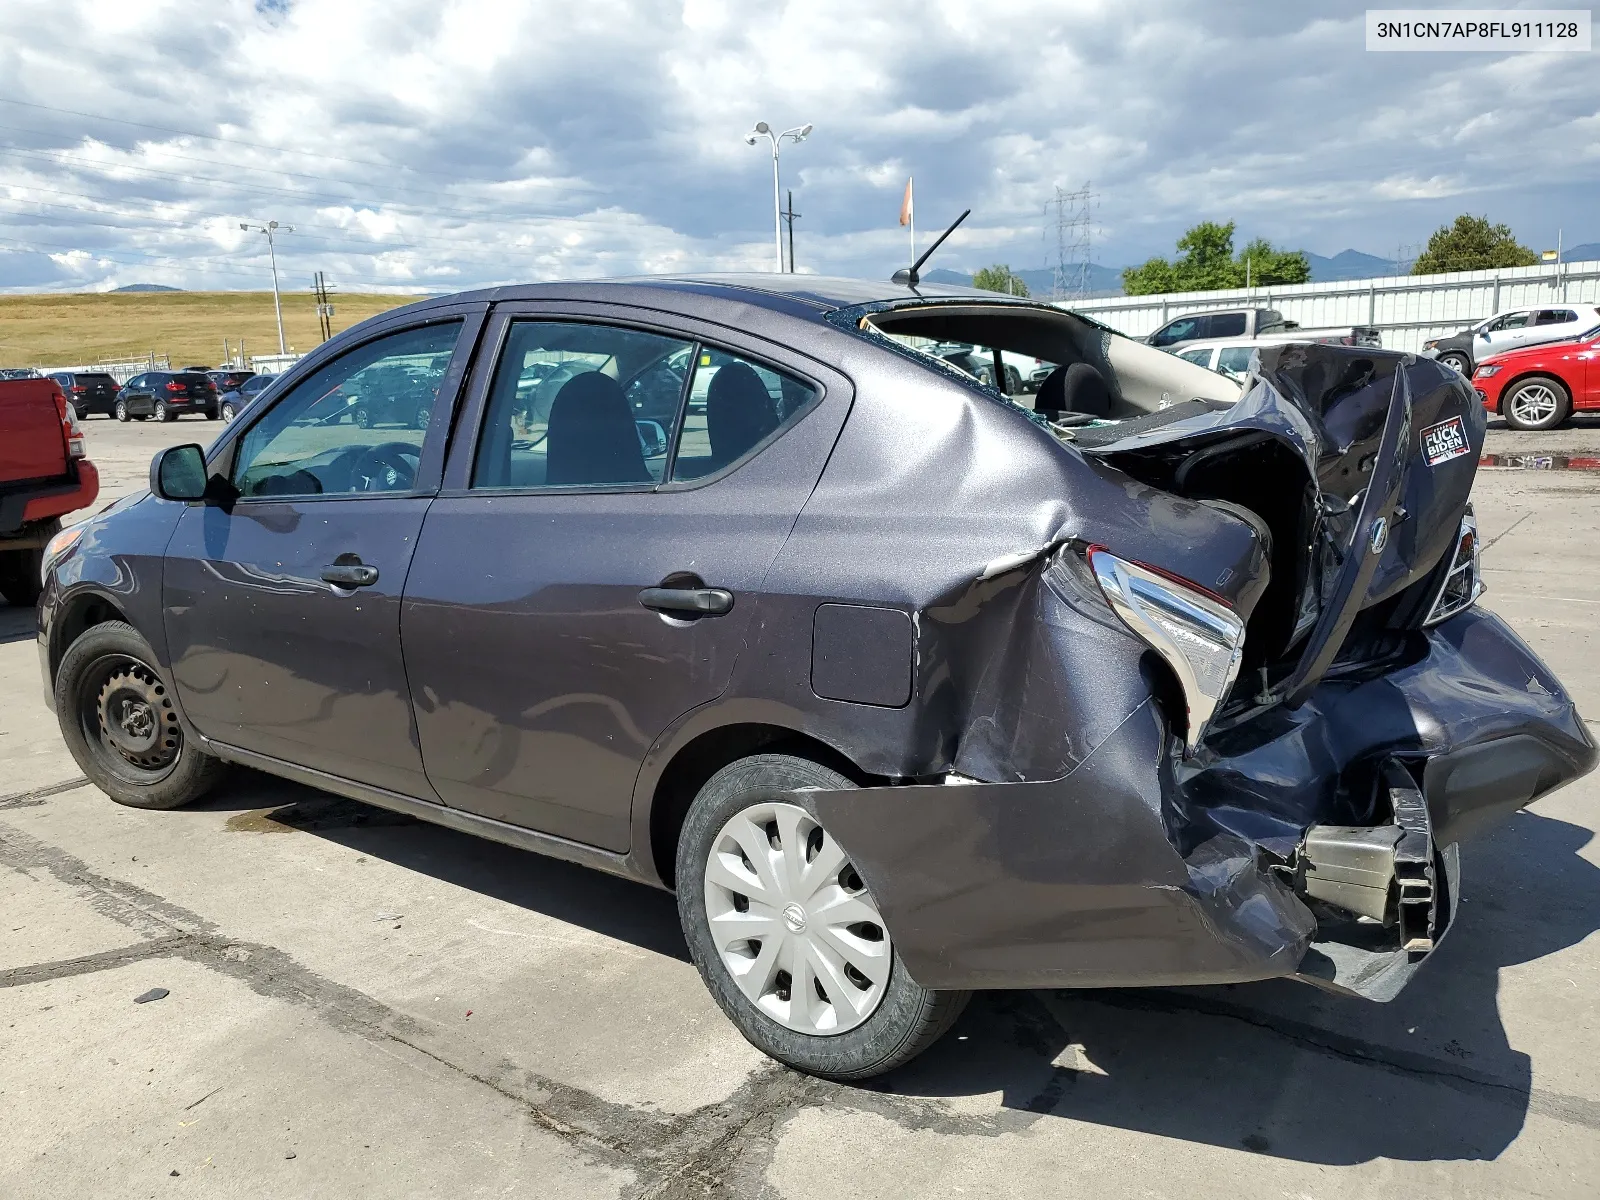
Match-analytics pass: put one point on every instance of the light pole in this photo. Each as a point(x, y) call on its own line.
point(277, 306)
point(798, 134)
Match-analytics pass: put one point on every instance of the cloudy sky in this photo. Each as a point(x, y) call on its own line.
point(440, 144)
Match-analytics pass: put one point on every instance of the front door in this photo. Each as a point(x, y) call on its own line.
point(283, 608)
point(588, 574)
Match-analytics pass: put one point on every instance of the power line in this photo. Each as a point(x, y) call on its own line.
point(65, 159)
point(218, 138)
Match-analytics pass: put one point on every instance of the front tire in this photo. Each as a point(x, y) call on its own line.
point(121, 725)
point(228, 412)
point(120, 412)
point(1457, 361)
point(1535, 404)
point(786, 935)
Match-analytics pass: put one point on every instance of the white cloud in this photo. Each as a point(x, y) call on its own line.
point(421, 144)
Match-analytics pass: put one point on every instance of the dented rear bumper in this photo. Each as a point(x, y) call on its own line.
point(1139, 867)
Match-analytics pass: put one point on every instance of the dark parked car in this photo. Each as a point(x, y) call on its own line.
point(226, 381)
point(903, 689)
point(230, 402)
point(88, 392)
point(166, 396)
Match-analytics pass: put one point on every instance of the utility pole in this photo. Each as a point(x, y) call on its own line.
point(789, 218)
point(324, 306)
point(269, 229)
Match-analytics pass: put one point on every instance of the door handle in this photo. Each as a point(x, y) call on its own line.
point(688, 602)
point(350, 575)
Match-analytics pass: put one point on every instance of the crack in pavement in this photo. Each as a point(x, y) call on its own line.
point(38, 795)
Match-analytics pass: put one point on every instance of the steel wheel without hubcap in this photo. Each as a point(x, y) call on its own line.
point(793, 922)
point(1536, 404)
point(130, 718)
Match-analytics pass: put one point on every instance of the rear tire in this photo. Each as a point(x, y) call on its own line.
point(901, 1021)
point(1536, 403)
point(19, 576)
point(161, 412)
point(120, 723)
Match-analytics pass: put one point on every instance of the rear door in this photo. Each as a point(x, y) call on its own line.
point(582, 582)
point(282, 609)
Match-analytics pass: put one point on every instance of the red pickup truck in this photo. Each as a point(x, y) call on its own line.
point(43, 475)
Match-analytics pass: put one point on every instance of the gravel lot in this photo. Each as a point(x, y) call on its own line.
point(361, 1005)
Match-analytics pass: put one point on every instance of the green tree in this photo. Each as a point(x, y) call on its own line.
point(999, 278)
point(1472, 244)
point(1206, 262)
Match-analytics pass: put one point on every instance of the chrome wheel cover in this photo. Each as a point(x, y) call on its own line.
point(793, 923)
point(1535, 402)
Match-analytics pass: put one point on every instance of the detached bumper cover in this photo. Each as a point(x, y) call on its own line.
point(1137, 868)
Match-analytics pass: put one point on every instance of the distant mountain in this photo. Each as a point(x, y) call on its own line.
point(1350, 264)
point(1588, 252)
point(1103, 281)
point(145, 287)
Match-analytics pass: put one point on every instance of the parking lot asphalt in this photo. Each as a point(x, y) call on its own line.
point(361, 1005)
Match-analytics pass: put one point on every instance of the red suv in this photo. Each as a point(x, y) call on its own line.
point(43, 475)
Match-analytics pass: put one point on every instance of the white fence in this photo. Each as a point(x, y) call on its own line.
point(1407, 309)
point(273, 364)
point(120, 371)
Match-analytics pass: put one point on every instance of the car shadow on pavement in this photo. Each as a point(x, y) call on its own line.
point(1288, 1070)
point(16, 623)
point(618, 908)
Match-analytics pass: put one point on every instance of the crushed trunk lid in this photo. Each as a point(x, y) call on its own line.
point(1359, 461)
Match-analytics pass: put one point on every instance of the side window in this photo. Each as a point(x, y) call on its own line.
point(1513, 320)
point(1180, 330)
point(735, 404)
point(1268, 319)
point(578, 405)
point(135, 383)
point(353, 426)
point(1201, 357)
point(1235, 360)
point(1555, 316)
point(1226, 325)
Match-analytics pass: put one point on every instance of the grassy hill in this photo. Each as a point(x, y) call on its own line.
point(80, 327)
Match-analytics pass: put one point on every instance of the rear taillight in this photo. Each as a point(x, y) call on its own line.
point(174, 386)
point(78, 389)
point(1464, 583)
point(71, 431)
point(1201, 639)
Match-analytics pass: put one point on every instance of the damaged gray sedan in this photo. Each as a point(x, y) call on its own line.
point(732, 586)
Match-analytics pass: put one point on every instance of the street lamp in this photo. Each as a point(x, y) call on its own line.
point(798, 134)
point(277, 306)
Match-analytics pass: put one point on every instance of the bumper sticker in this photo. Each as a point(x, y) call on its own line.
point(1444, 441)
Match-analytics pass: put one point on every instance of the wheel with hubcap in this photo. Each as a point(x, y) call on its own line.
point(162, 412)
point(786, 933)
point(119, 721)
point(1536, 403)
point(121, 410)
point(1457, 361)
point(362, 417)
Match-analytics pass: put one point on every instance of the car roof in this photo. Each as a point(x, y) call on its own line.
point(811, 296)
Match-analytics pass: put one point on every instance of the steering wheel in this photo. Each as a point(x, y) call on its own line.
point(388, 467)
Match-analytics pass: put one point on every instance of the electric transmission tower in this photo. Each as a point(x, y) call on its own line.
point(1074, 222)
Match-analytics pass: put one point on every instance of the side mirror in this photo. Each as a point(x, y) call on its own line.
point(179, 473)
point(1484, 334)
